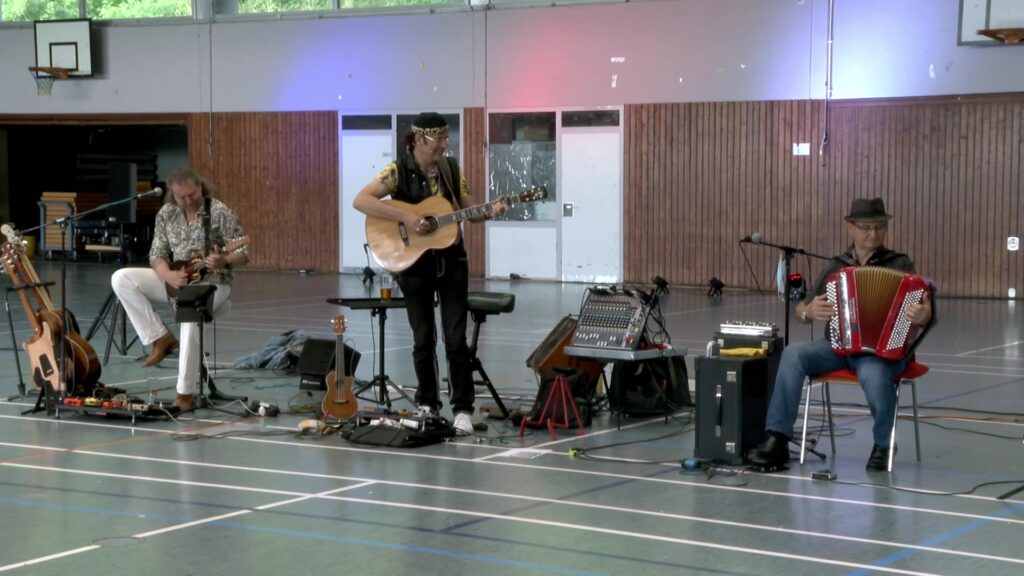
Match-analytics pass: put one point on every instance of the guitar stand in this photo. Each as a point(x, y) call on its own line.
point(14, 342)
point(381, 381)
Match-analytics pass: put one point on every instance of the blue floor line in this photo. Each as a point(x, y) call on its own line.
point(937, 540)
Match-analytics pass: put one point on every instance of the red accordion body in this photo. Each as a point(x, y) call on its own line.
point(870, 310)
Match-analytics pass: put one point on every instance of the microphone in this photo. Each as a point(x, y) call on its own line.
point(755, 238)
point(158, 191)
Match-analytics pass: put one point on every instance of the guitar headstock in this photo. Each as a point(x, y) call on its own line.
point(9, 256)
point(338, 323)
point(235, 244)
point(10, 233)
point(532, 193)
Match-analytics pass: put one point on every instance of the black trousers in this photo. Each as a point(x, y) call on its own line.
point(445, 273)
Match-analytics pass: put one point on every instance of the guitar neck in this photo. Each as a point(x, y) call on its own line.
point(465, 214)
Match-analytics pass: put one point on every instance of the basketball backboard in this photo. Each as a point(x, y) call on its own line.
point(64, 44)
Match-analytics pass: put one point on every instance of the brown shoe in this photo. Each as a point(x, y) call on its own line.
point(185, 402)
point(163, 345)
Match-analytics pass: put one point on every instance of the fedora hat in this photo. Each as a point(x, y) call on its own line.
point(867, 210)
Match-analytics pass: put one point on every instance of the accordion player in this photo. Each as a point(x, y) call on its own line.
point(870, 306)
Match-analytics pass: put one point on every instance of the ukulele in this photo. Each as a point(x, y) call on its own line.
point(395, 248)
point(196, 267)
point(339, 401)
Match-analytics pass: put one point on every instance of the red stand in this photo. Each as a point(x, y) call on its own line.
point(559, 393)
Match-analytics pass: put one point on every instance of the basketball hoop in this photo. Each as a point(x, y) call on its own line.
point(45, 76)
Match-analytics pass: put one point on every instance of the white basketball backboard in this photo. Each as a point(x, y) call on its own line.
point(64, 44)
point(985, 14)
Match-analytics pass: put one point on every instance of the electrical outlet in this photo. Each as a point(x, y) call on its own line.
point(1013, 243)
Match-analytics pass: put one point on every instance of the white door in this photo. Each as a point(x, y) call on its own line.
point(590, 191)
point(364, 153)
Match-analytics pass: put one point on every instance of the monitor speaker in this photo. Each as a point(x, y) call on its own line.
point(123, 182)
point(732, 404)
point(317, 360)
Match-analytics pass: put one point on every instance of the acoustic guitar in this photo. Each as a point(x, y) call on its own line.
point(339, 401)
point(196, 267)
point(49, 334)
point(396, 248)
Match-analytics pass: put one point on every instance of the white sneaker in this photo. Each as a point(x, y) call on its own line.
point(463, 424)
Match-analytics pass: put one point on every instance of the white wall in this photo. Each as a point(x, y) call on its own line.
point(686, 50)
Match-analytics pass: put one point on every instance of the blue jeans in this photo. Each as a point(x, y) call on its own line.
point(876, 376)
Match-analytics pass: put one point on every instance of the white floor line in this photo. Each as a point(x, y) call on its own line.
point(182, 526)
point(498, 517)
point(1007, 345)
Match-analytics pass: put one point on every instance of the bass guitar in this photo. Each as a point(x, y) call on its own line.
point(339, 401)
point(196, 267)
point(395, 248)
point(50, 336)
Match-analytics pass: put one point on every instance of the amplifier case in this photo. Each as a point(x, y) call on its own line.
point(732, 404)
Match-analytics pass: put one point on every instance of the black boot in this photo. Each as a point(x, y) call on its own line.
point(772, 454)
point(879, 459)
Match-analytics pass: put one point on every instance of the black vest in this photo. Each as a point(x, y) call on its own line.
point(414, 187)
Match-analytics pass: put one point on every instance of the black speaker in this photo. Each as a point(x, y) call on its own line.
point(317, 360)
point(123, 182)
point(732, 403)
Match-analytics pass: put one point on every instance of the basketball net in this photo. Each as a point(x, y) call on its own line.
point(44, 85)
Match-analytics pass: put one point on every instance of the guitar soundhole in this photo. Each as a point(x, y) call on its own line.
point(431, 224)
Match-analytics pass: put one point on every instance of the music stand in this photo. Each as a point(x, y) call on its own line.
point(194, 305)
point(381, 381)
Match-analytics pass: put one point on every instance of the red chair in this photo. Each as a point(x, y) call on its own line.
point(910, 374)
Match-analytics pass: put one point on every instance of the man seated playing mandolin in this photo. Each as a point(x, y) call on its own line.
point(423, 172)
point(190, 224)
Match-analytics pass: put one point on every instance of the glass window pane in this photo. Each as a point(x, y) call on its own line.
point(265, 6)
point(29, 10)
point(120, 9)
point(521, 154)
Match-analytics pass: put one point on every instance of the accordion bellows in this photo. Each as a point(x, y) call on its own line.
point(870, 310)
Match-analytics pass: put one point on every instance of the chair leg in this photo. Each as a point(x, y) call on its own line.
point(917, 435)
point(892, 434)
point(831, 421)
point(808, 384)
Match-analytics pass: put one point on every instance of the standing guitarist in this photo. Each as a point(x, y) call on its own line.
point(190, 226)
point(424, 171)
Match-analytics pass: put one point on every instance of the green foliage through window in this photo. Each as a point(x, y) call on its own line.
point(29, 10)
point(114, 9)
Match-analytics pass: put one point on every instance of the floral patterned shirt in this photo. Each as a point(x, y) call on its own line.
point(174, 239)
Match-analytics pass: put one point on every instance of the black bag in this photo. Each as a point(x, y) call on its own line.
point(650, 386)
point(436, 431)
point(580, 387)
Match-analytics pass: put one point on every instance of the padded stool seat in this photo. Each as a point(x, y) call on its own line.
point(491, 302)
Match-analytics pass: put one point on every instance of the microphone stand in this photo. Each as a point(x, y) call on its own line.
point(787, 256)
point(64, 224)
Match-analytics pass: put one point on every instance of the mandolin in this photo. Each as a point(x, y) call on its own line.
point(196, 267)
point(339, 401)
point(395, 248)
point(49, 334)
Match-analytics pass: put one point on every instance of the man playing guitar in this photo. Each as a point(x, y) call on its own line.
point(423, 172)
point(190, 227)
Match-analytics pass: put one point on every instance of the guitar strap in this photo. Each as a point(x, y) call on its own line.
point(446, 175)
point(207, 244)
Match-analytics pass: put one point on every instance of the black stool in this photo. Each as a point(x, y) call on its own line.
point(112, 312)
point(482, 305)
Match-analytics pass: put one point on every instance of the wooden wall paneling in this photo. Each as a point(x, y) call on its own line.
point(474, 151)
point(279, 172)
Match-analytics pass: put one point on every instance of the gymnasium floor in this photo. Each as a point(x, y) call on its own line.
point(217, 493)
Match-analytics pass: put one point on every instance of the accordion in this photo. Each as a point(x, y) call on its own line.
point(870, 311)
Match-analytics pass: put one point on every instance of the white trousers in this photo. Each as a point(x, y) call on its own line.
point(137, 289)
